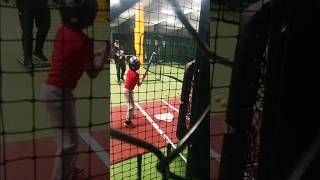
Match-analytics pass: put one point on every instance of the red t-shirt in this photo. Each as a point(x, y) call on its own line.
point(131, 80)
point(73, 53)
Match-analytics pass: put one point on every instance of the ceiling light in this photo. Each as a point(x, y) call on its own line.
point(166, 11)
point(170, 20)
point(114, 2)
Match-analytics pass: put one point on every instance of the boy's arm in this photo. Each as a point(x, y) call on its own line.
point(140, 81)
point(100, 57)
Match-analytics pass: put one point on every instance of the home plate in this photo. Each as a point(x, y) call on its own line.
point(164, 117)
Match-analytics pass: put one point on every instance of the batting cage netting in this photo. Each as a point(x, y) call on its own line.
point(239, 32)
point(150, 122)
point(258, 131)
point(76, 143)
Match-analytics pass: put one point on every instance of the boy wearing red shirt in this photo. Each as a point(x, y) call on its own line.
point(72, 56)
point(132, 80)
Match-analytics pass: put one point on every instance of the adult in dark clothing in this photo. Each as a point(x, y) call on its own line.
point(119, 58)
point(31, 11)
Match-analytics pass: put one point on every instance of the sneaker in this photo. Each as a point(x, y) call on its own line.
point(39, 56)
point(77, 173)
point(27, 63)
point(129, 124)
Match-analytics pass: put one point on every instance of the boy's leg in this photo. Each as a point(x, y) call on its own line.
point(26, 24)
point(67, 141)
point(43, 22)
point(129, 98)
point(131, 105)
point(62, 116)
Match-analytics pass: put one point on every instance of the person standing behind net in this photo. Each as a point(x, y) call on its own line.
point(119, 59)
point(73, 55)
point(132, 80)
point(31, 11)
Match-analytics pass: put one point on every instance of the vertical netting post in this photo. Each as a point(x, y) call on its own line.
point(198, 153)
point(168, 148)
point(139, 167)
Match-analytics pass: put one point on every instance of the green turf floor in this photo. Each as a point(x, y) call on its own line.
point(128, 169)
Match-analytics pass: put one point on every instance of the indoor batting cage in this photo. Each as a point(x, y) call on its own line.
point(65, 136)
point(161, 47)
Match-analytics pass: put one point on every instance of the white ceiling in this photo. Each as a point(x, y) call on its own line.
point(161, 12)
